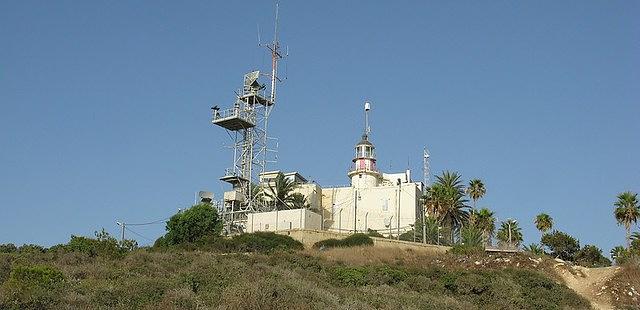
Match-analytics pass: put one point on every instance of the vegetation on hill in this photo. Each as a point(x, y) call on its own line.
point(350, 241)
point(175, 278)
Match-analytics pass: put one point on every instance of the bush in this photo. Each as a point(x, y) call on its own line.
point(356, 240)
point(350, 241)
point(30, 248)
point(374, 233)
point(561, 245)
point(471, 242)
point(591, 256)
point(34, 287)
point(103, 245)
point(534, 249)
point(264, 242)
point(191, 225)
point(463, 249)
point(8, 248)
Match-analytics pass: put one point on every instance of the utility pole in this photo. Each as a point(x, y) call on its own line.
point(399, 192)
point(424, 227)
point(366, 226)
point(340, 221)
point(121, 224)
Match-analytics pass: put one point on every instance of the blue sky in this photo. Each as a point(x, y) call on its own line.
point(105, 105)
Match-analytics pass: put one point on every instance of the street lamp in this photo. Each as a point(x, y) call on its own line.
point(122, 224)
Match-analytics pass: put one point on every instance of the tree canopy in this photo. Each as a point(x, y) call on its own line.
point(561, 245)
point(192, 225)
point(627, 212)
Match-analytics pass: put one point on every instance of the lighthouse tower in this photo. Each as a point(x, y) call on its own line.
point(363, 172)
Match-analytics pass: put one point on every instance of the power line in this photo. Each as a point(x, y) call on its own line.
point(137, 234)
point(148, 223)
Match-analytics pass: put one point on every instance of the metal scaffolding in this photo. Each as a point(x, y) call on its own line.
point(246, 124)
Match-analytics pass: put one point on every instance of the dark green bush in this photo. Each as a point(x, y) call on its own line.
point(34, 287)
point(350, 241)
point(591, 256)
point(463, 249)
point(265, 242)
point(8, 248)
point(356, 240)
point(104, 245)
point(561, 245)
point(192, 224)
point(351, 276)
point(374, 233)
point(328, 243)
point(30, 249)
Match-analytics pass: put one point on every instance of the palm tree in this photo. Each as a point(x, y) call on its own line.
point(476, 190)
point(280, 192)
point(446, 200)
point(544, 223)
point(509, 233)
point(484, 220)
point(618, 254)
point(534, 249)
point(635, 242)
point(627, 212)
point(299, 201)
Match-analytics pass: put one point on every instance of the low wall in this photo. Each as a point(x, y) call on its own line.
point(309, 237)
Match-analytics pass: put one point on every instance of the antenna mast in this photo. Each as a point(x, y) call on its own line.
point(246, 123)
point(275, 56)
point(264, 141)
point(426, 167)
point(367, 107)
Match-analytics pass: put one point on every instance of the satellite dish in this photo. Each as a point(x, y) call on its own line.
point(387, 222)
point(367, 106)
point(251, 79)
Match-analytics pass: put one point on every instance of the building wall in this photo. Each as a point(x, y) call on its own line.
point(375, 204)
point(283, 220)
point(313, 192)
point(310, 237)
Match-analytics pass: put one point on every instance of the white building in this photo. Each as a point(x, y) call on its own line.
point(386, 202)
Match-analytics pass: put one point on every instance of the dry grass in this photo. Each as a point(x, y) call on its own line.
point(366, 255)
point(624, 287)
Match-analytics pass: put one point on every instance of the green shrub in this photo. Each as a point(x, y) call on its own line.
point(534, 249)
point(356, 240)
point(8, 248)
point(34, 287)
point(104, 245)
point(30, 249)
point(193, 224)
point(350, 241)
point(265, 242)
point(561, 245)
point(5, 267)
point(386, 275)
point(351, 276)
point(327, 243)
point(463, 249)
point(591, 256)
point(374, 233)
point(471, 237)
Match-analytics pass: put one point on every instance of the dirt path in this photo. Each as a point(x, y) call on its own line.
point(589, 283)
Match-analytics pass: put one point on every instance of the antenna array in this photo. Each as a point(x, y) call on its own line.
point(246, 124)
point(426, 166)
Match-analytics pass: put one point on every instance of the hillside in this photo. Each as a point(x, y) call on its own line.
point(308, 279)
